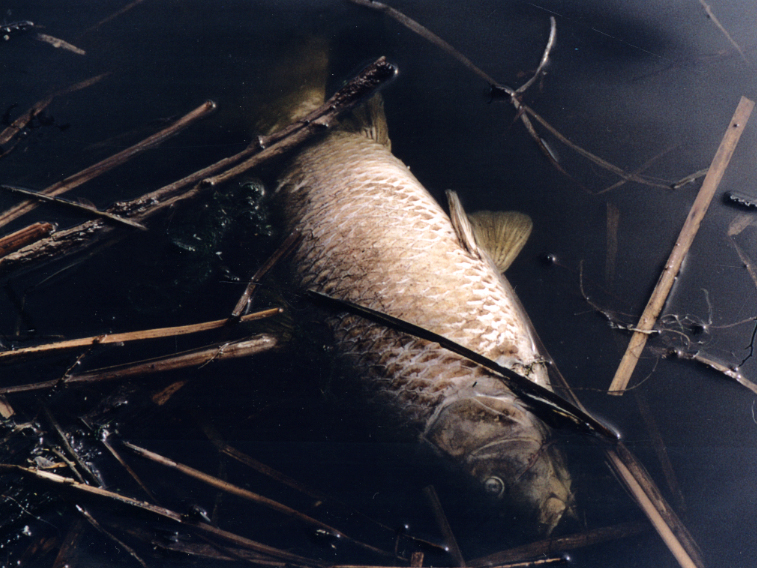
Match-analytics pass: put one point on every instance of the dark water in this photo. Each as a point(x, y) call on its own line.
point(627, 81)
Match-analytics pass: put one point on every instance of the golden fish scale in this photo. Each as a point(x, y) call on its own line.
point(374, 236)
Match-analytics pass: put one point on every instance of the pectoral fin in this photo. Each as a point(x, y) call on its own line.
point(502, 234)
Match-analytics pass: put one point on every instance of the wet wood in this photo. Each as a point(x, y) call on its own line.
point(682, 245)
point(127, 467)
point(561, 544)
point(115, 338)
point(732, 372)
point(444, 526)
point(161, 512)
point(59, 43)
point(67, 445)
point(87, 234)
point(284, 249)
point(24, 237)
point(109, 163)
point(89, 209)
point(416, 560)
point(253, 346)
point(249, 495)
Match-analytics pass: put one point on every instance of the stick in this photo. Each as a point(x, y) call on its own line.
point(136, 335)
point(86, 234)
point(284, 249)
point(444, 526)
point(17, 125)
point(682, 245)
point(249, 495)
point(78, 206)
point(561, 544)
point(163, 513)
point(24, 237)
point(252, 346)
point(109, 163)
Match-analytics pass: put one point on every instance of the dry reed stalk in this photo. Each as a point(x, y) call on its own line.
point(682, 245)
point(249, 495)
point(109, 163)
point(141, 335)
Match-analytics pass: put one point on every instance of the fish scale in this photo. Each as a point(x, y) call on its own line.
point(374, 236)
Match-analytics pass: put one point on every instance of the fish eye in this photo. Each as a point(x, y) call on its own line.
point(494, 486)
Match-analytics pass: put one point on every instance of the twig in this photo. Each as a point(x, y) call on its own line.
point(119, 542)
point(59, 43)
point(253, 346)
point(730, 372)
point(86, 234)
point(126, 337)
point(127, 467)
point(666, 522)
point(78, 206)
point(561, 544)
point(514, 95)
point(544, 57)
point(165, 514)
point(24, 237)
point(69, 448)
point(711, 15)
point(689, 178)
point(249, 495)
point(109, 163)
point(284, 249)
point(444, 526)
point(17, 125)
point(681, 247)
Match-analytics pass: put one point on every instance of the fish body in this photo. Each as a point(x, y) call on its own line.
point(374, 236)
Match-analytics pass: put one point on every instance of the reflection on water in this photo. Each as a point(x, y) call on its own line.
point(649, 88)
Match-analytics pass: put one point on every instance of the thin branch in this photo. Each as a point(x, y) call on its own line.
point(17, 125)
point(163, 513)
point(561, 544)
point(111, 162)
point(544, 57)
point(87, 234)
point(249, 495)
point(68, 447)
point(284, 249)
point(444, 526)
point(246, 348)
point(24, 237)
point(711, 15)
point(39, 196)
point(513, 95)
point(141, 335)
point(682, 245)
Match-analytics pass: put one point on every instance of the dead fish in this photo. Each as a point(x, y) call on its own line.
point(374, 236)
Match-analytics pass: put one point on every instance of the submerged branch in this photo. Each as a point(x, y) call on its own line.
point(249, 495)
point(87, 234)
point(163, 513)
point(109, 163)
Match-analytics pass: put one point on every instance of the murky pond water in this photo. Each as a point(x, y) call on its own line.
point(647, 86)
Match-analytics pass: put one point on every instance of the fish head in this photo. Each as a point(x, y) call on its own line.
point(507, 451)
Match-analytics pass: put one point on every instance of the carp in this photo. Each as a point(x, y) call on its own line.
point(372, 235)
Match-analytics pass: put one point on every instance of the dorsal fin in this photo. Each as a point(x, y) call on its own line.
point(502, 234)
point(370, 121)
point(461, 224)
